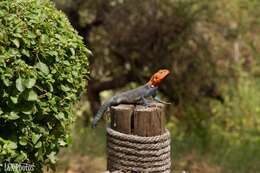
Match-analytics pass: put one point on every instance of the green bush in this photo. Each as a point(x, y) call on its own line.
point(43, 69)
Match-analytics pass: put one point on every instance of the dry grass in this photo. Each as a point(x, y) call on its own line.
point(80, 164)
point(75, 163)
point(192, 163)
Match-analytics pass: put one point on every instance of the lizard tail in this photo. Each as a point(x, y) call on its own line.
point(100, 112)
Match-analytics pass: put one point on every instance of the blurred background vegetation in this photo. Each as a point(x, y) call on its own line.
point(212, 50)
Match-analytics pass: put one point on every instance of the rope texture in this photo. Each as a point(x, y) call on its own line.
point(140, 154)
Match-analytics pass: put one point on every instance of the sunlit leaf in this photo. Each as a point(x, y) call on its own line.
point(52, 157)
point(32, 96)
point(43, 68)
point(38, 145)
point(14, 99)
point(21, 157)
point(12, 116)
point(23, 141)
point(72, 51)
point(19, 84)
point(29, 83)
point(12, 145)
point(29, 109)
point(64, 88)
point(16, 43)
point(35, 138)
point(26, 52)
point(6, 81)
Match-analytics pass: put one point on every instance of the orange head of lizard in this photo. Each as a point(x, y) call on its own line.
point(158, 77)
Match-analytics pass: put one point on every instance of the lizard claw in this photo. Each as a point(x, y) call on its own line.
point(157, 98)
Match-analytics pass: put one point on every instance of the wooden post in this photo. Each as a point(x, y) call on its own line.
point(138, 120)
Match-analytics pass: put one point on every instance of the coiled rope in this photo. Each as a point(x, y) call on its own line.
point(140, 154)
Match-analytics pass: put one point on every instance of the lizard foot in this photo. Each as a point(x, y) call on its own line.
point(157, 99)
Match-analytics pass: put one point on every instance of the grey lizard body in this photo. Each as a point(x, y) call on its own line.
point(135, 96)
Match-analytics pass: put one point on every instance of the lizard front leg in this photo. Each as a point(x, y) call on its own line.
point(145, 102)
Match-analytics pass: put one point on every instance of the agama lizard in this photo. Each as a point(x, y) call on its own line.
point(134, 96)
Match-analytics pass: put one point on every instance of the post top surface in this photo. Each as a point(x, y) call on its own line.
point(123, 106)
point(151, 107)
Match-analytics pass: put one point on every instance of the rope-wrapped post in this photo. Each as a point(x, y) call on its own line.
point(137, 140)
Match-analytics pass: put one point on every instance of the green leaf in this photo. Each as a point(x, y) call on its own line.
point(72, 51)
point(14, 99)
point(12, 116)
point(42, 130)
point(6, 81)
point(21, 157)
point(62, 142)
point(60, 116)
point(11, 145)
point(23, 141)
point(53, 53)
point(26, 52)
point(43, 68)
point(19, 84)
point(31, 35)
point(29, 109)
point(18, 35)
point(29, 83)
point(16, 43)
point(64, 88)
point(5, 94)
point(52, 157)
point(1, 111)
point(66, 63)
point(50, 87)
point(38, 145)
point(32, 96)
point(35, 138)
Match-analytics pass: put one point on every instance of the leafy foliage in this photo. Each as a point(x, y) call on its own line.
point(43, 69)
